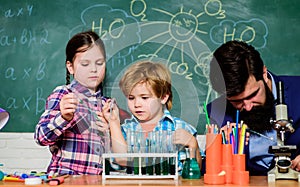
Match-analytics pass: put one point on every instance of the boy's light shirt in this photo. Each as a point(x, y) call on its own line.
point(167, 122)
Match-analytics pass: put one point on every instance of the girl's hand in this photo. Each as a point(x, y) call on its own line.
point(102, 124)
point(68, 105)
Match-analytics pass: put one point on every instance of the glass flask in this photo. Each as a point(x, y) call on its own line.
point(191, 168)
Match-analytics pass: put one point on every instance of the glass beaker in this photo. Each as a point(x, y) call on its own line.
point(191, 168)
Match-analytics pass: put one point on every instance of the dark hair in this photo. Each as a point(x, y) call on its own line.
point(232, 64)
point(81, 42)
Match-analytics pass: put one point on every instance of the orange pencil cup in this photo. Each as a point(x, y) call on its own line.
point(227, 162)
point(213, 160)
point(239, 173)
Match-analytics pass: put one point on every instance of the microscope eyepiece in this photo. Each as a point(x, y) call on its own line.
point(280, 93)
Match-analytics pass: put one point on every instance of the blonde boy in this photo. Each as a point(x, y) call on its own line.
point(147, 87)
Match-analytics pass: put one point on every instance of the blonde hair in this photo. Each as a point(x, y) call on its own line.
point(155, 74)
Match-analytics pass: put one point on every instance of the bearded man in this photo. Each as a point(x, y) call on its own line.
point(239, 75)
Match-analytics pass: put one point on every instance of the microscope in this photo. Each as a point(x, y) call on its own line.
point(281, 151)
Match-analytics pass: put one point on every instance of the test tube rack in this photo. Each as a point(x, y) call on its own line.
point(124, 175)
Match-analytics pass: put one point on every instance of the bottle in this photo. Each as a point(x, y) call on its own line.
point(1, 174)
point(191, 168)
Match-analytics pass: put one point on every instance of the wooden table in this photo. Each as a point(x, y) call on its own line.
point(93, 180)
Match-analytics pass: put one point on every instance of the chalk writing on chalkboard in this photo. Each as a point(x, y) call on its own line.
point(182, 34)
point(178, 34)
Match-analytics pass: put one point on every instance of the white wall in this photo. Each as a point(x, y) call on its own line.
point(19, 152)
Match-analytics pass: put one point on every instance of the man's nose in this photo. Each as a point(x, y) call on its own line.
point(247, 105)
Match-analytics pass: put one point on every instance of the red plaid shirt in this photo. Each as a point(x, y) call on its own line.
point(75, 145)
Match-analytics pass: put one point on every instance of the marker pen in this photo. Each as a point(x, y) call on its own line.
point(22, 175)
point(57, 180)
point(13, 179)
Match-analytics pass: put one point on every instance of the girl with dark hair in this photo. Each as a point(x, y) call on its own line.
point(72, 124)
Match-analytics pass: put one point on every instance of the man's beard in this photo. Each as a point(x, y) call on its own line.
point(258, 119)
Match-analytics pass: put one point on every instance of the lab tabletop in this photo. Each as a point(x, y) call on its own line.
point(96, 180)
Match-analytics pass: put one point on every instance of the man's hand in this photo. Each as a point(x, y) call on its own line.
point(228, 129)
point(296, 163)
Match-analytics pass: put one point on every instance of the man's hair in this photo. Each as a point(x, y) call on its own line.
point(234, 62)
point(156, 75)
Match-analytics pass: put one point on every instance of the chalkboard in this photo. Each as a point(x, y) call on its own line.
point(180, 33)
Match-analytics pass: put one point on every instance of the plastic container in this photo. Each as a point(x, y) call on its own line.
point(239, 174)
point(227, 162)
point(214, 173)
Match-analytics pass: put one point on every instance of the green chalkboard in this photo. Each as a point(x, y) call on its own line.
point(180, 33)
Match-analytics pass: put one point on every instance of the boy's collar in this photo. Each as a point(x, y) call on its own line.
point(166, 116)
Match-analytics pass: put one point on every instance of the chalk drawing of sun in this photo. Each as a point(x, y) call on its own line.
point(174, 40)
point(185, 25)
point(179, 32)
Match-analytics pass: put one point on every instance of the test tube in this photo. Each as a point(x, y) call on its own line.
point(171, 149)
point(107, 143)
point(136, 150)
point(150, 143)
point(107, 149)
point(142, 150)
point(165, 149)
point(130, 142)
point(158, 150)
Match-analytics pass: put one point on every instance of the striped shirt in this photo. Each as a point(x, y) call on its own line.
point(167, 123)
point(76, 145)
